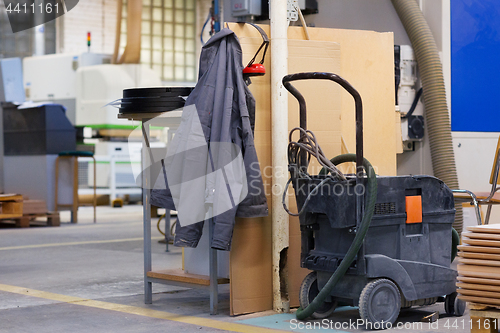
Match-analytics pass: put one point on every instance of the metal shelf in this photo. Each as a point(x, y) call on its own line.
point(172, 120)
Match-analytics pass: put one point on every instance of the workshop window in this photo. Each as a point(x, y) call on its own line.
point(168, 38)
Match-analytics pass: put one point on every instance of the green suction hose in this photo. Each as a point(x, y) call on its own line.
point(455, 241)
point(358, 239)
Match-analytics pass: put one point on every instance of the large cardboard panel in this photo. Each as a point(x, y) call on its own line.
point(251, 251)
point(366, 60)
point(323, 101)
point(323, 104)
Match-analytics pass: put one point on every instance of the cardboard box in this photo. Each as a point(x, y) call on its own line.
point(34, 207)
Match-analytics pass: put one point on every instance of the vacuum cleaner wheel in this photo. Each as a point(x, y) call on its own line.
point(380, 303)
point(453, 305)
point(308, 291)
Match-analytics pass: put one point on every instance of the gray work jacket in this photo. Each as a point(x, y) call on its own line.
point(226, 110)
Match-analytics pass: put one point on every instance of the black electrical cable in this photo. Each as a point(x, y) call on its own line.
point(309, 144)
point(414, 104)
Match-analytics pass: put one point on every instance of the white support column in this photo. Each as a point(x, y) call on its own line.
point(279, 109)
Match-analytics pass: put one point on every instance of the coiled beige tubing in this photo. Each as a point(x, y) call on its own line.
point(436, 109)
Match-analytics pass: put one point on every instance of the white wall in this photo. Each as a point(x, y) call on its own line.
point(96, 16)
point(99, 17)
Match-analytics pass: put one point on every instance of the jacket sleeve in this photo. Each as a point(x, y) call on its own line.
point(255, 203)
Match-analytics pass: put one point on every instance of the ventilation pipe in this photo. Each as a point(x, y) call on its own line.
point(436, 109)
point(132, 52)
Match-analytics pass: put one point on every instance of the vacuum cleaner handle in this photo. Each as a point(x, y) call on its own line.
point(347, 86)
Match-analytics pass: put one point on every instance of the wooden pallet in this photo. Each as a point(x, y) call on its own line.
point(52, 220)
point(484, 318)
point(11, 206)
point(480, 306)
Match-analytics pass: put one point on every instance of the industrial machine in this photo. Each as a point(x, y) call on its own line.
point(249, 10)
point(97, 86)
point(84, 84)
point(379, 243)
point(11, 90)
point(52, 77)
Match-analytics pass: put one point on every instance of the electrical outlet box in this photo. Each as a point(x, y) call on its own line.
point(308, 6)
point(241, 8)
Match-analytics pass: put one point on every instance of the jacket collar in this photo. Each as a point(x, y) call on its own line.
point(218, 36)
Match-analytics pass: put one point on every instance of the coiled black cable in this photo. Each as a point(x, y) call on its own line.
point(306, 147)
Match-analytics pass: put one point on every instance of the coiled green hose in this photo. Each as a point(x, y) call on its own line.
point(455, 241)
point(356, 243)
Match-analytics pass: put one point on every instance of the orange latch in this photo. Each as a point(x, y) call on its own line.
point(414, 209)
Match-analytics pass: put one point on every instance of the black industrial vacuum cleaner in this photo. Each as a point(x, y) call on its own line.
point(379, 243)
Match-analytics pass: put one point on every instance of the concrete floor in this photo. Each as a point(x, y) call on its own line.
point(89, 278)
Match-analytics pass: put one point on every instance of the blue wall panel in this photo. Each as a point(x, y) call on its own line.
point(475, 65)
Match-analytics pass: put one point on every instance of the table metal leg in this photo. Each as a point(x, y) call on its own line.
point(146, 210)
point(214, 299)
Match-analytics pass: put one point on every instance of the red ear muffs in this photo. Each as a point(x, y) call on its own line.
point(257, 69)
point(254, 70)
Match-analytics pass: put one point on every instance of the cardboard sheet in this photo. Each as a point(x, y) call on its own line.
point(479, 293)
point(482, 242)
point(479, 249)
point(479, 271)
point(473, 286)
point(367, 62)
point(482, 281)
point(488, 228)
point(479, 262)
point(481, 256)
point(481, 235)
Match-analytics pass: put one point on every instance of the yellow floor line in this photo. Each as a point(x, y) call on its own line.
point(205, 322)
point(79, 226)
point(35, 246)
